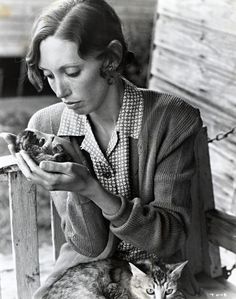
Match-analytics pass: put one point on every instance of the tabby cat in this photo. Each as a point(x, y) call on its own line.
point(159, 282)
point(113, 279)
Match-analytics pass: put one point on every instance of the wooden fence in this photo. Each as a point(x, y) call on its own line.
point(209, 229)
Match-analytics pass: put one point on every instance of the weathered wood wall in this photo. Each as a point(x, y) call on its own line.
point(194, 57)
point(134, 9)
point(16, 19)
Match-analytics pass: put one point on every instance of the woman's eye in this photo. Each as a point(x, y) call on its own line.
point(169, 291)
point(48, 76)
point(150, 291)
point(75, 74)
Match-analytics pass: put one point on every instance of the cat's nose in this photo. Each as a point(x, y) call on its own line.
point(48, 142)
point(29, 134)
point(42, 141)
point(28, 137)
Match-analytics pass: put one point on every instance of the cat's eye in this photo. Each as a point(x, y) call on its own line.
point(150, 291)
point(169, 291)
point(41, 141)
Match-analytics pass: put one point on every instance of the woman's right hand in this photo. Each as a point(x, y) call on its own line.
point(11, 142)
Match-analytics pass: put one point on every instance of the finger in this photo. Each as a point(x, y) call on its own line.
point(12, 149)
point(68, 148)
point(51, 166)
point(8, 137)
point(32, 171)
point(32, 165)
point(23, 166)
point(28, 159)
point(38, 175)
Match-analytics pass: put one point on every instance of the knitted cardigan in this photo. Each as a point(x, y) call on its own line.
point(161, 167)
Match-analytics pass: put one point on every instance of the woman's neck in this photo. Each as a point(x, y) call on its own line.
point(107, 118)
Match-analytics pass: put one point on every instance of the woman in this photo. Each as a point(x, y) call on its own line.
point(132, 198)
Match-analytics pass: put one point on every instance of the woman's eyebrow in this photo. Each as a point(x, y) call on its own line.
point(62, 67)
point(42, 68)
point(65, 66)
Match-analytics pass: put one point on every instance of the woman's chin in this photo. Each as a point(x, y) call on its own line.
point(77, 109)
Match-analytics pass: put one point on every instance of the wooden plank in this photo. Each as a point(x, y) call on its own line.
point(58, 237)
point(23, 213)
point(210, 112)
point(202, 255)
point(202, 80)
point(1, 81)
point(190, 39)
point(16, 17)
point(193, 246)
point(233, 204)
point(222, 229)
point(217, 14)
point(3, 177)
point(7, 162)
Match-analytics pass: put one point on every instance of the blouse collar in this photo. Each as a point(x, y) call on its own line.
point(129, 120)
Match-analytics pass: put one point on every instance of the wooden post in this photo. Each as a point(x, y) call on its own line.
point(22, 195)
point(58, 237)
point(1, 87)
point(221, 228)
point(0, 287)
point(203, 256)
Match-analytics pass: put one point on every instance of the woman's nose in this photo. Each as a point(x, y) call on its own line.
point(62, 90)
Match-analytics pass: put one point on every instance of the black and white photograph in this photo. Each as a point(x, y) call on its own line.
point(117, 149)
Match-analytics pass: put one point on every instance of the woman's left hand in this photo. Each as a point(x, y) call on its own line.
point(66, 176)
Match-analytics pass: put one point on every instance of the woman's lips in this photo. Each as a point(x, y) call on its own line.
point(72, 105)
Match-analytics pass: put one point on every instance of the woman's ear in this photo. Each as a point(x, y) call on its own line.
point(112, 59)
point(113, 55)
point(115, 50)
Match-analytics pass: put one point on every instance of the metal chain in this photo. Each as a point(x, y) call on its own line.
point(221, 136)
point(227, 272)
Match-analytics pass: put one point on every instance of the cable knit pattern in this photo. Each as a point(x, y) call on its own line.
point(156, 219)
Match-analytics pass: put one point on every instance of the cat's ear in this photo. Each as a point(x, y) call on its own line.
point(176, 270)
point(145, 265)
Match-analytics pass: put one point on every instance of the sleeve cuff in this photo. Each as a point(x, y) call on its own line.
point(122, 215)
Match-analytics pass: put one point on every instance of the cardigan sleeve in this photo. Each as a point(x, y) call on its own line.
point(158, 219)
point(89, 238)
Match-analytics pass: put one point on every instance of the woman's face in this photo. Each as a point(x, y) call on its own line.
point(77, 82)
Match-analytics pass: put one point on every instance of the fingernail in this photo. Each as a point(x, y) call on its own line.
point(41, 164)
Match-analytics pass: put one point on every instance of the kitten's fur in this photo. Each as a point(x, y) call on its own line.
point(161, 280)
point(27, 140)
point(109, 278)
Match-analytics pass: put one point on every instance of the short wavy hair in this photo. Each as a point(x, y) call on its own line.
point(91, 24)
